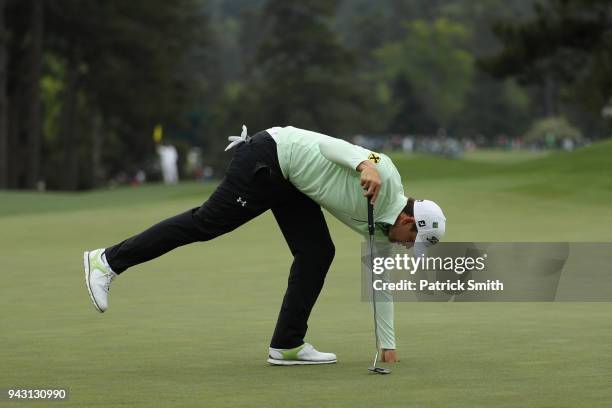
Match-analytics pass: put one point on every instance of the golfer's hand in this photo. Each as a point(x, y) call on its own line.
point(370, 180)
point(389, 356)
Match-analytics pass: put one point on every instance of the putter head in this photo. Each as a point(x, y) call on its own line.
point(379, 370)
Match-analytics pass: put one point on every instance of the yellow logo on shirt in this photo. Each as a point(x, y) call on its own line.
point(374, 158)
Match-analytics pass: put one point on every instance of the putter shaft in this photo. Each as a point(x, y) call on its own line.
point(371, 229)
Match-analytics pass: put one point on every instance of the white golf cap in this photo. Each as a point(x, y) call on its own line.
point(431, 224)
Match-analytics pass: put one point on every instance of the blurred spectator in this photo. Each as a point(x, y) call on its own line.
point(139, 178)
point(208, 173)
point(551, 140)
point(194, 163)
point(168, 159)
point(568, 144)
point(407, 144)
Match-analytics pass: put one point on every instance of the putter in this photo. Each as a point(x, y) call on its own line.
point(374, 368)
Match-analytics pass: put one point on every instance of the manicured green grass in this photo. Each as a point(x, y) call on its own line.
point(503, 156)
point(191, 328)
point(21, 203)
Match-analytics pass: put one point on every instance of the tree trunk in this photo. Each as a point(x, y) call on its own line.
point(70, 175)
point(17, 113)
point(34, 126)
point(97, 140)
point(4, 167)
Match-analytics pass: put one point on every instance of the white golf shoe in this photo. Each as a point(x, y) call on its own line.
point(98, 277)
point(302, 355)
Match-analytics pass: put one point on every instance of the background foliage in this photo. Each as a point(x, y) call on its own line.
point(83, 82)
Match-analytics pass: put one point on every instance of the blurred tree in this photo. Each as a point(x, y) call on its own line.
point(126, 66)
point(4, 137)
point(550, 131)
point(480, 15)
point(432, 58)
point(21, 116)
point(566, 50)
point(17, 20)
point(364, 25)
point(367, 27)
point(109, 70)
point(34, 45)
point(493, 107)
point(234, 24)
point(411, 114)
point(302, 75)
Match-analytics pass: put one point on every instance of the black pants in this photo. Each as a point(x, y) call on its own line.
point(253, 184)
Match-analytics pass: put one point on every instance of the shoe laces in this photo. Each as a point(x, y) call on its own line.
point(109, 280)
point(236, 140)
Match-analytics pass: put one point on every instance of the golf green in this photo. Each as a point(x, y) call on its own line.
point(191, 328)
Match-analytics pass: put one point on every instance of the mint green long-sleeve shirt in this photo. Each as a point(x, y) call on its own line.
point(324, 168)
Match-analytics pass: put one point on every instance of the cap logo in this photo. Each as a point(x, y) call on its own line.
point(433, 240)
point(374, 158)
point(422, 223)
point(435, 224)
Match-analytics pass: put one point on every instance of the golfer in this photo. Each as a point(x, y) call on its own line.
point(293, 172)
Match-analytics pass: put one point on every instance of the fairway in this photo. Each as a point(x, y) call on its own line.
point(192, 328)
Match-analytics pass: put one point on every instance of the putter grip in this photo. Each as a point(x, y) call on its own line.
point(370, 218)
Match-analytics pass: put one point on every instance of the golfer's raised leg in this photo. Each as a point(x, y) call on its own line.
point(305, 230)
point(240, 197)
point(215, 217)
